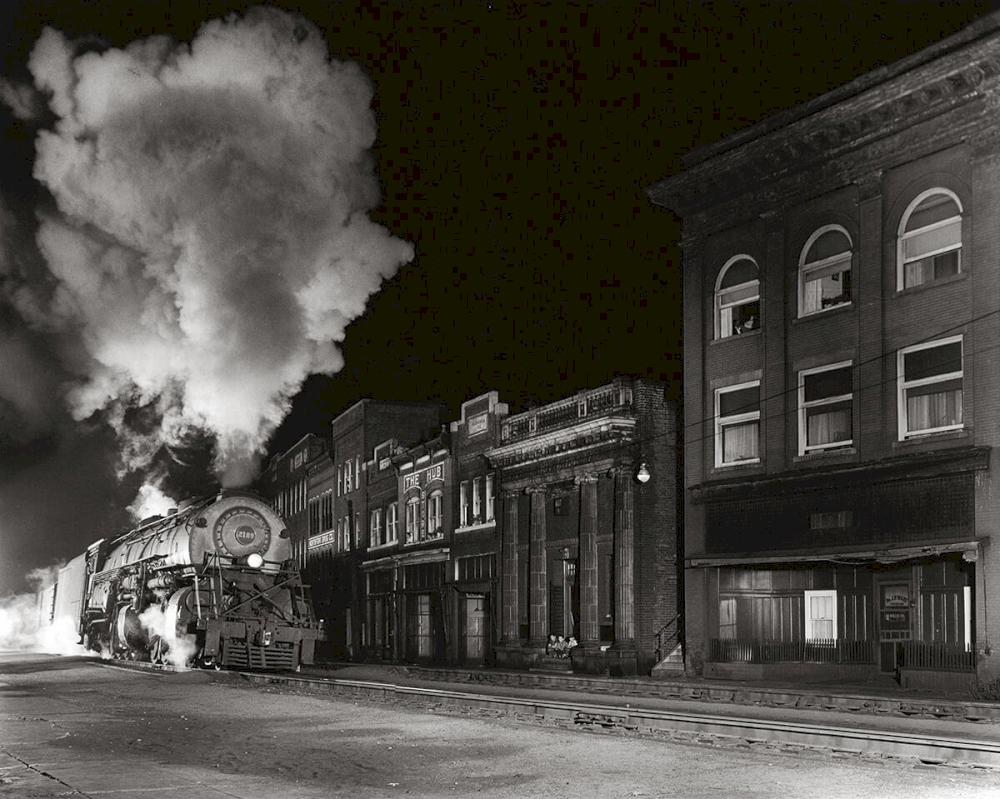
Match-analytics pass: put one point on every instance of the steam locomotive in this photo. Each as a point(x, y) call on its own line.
point(211, 584)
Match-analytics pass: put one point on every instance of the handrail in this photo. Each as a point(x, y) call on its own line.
point(675, 637)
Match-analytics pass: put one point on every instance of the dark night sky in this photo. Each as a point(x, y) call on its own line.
point(514, 146)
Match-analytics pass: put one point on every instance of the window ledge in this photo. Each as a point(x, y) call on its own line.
point(932, 285)
point(378, 547)
point(825, 313)
point(743, 466)
point(929, 439)
point(826, 455)
point(471, 527)
point(740, 337)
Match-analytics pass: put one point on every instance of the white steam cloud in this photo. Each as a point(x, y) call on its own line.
point(212, 240)
point(26, 623)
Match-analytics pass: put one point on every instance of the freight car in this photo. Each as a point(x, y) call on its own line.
point(210, 584)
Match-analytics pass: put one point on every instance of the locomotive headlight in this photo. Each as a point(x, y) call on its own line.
point(255, 560)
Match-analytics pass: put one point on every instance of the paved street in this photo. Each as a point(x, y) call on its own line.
point(71, 727)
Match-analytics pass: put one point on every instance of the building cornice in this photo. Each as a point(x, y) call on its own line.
point(874, 107)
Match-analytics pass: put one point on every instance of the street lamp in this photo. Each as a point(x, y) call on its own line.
point(643, 474)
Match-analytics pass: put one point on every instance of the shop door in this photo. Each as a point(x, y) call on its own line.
point(894, 622)
point(419, 627)
point(474, 629)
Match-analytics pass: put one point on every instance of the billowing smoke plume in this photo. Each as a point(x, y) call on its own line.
point(26, 622)
point(211, 241)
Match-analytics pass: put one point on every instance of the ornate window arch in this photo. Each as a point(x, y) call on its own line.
point(737, 297)
point(825, 270)
point(929, 239)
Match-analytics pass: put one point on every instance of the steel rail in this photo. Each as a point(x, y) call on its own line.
point(856, 740)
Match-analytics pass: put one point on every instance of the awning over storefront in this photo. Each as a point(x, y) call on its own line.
point(969, 549)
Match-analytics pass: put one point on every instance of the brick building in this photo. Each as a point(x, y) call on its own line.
point(474, 567)
point(334, 559)
point(589, 535)
point(841, 312)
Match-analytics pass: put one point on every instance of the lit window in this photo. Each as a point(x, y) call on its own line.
point(737, 298)
point(737, 424)
point(821, 615)
point(930, 239)
point(412, 520)
point(435, 510)
point(930, 387)
point(825, 270)
point(825, 408)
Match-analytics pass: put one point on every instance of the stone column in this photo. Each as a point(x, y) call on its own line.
point(624, 561)
point(510, 628)
point(539, 590)
point(590, 630)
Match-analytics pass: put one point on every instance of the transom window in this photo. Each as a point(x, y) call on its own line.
point(930, 239)
point(737, 298)
point(737, 424)
point(930, 387)
point(825, 408)
point(825, 270)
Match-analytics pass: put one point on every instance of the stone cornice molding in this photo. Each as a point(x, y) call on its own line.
point(536, 489)
point(840, 125)
point(583, 479)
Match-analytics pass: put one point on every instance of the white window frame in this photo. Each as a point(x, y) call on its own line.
point(902, 237)
point(411, 520)
point(490, 498)
point(392, 524)
point(477, 501)
point(737, 419)
point(805, 407)
point(810, 619)
point(435, 514)
point(903, 385)
point(376, 528)
point(817, 270)
point(340, 480)
point(463, 503)
point(723, 321)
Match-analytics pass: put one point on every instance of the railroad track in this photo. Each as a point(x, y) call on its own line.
point(593, 715)
point(855, 740)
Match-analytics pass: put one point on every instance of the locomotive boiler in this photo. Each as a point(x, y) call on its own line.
point(212, 584)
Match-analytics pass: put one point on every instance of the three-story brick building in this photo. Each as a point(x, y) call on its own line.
point(841, 272)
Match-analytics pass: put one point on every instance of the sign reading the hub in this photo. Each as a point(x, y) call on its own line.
point(423, 477)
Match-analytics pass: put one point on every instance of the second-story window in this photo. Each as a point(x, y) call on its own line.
point(391, 519)
point(412, 520)
point(477, 501)
point(463, 504)
point(737, 298)
point(737, 424)
point(375, 528)
point(490, 499)
point(930, 239)
point(930, 387)
point(825, 270)
point(435, 514)
point(825, 408)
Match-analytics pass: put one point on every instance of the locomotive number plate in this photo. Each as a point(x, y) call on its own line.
point(242, 530)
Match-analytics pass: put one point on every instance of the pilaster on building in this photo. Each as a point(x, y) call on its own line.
point(577, 521)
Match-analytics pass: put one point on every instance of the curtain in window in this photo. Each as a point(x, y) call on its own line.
point(740, 442)
point(829, 427)
point(930, 411)
point(821, 610)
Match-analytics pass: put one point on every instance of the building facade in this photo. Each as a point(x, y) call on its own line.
point(841, 308)
point(474, 571)
point(336, 551)
point(588, 537)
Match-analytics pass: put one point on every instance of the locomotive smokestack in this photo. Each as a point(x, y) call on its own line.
point(211, 239)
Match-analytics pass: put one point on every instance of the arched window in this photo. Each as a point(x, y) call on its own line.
point(825, 270)
point(412, 520)
point(737, 298)
point(930, 239)
point(435, 510)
